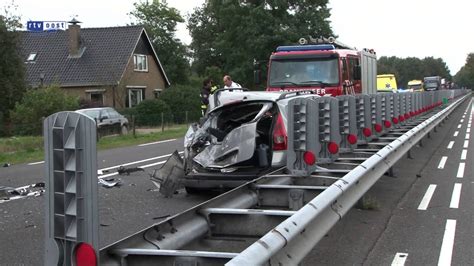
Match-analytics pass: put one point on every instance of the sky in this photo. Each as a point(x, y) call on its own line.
point(402, 28)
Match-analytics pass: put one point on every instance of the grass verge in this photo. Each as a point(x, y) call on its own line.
point(17, 150)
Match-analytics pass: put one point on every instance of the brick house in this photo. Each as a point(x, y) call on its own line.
point(114, 66)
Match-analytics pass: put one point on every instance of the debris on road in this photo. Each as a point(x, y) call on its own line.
point(10, 193)
point(126, 171)
point(110, 182)
point(168, 178)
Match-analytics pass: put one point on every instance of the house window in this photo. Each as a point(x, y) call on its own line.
point(31, 57)
point(140, 62)
point(97, 98)
point(157, 93)
point(135, 96)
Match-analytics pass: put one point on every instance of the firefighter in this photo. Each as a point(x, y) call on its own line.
point(207, 89)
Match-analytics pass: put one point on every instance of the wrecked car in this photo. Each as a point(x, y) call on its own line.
point(243, 136)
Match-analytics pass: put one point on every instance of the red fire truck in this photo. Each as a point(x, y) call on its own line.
point(324, 65)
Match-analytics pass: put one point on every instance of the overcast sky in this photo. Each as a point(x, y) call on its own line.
point(403, 28)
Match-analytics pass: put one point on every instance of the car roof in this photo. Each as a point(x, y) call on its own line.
point(233, 97)
point(94, 109)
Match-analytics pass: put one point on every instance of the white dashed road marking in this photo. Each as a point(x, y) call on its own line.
point(427, 198)
point(446, 252)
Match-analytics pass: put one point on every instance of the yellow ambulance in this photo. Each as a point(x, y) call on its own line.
point(386, 83)
point(415, 85)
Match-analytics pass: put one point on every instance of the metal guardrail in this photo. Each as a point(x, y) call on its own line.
point(290, 241)
point(277, 218)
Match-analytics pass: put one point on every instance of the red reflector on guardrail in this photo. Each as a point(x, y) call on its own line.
point(85, 255)
point(333, 147)
point(378, 127)
point(367, 132)
point(309, 158)
point(352, 139)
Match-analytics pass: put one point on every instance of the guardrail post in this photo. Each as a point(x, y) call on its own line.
point(395, 110)
point(347, 123)
point(329, 135)
point(71, 186)
point(386, 111)
point(375, 113)
point(303, 141)
point(402, 108)
point(363, 117)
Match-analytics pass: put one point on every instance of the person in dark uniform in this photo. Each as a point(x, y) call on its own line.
point(207, 89)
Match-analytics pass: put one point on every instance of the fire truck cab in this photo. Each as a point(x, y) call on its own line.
point(323, 65)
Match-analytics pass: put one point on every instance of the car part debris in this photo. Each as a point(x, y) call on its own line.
point(126, 171)
point(110, 182)
point(168, 177)
point(10, 193)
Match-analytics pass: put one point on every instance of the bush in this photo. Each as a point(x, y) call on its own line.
point(37, 104)
point(182, 99)
point(148, 112)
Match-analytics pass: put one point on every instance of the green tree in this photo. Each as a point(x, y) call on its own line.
point(465, 76)
point(37, 104)
point(229, 35)
point(12, 85)
point(160, 23)
point(406, 69)
point(148, 112)
point(181, 100)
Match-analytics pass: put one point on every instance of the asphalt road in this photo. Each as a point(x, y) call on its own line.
point(123, 210)
point(397, 231)
point(362, 237)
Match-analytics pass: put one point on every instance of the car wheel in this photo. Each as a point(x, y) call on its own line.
point(124, 130)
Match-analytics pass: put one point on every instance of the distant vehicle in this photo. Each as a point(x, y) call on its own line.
point(386, 83)
point(415, 85)
point(108, 120)
point(432, 83)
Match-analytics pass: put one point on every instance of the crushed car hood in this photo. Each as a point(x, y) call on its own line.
point(237, 146)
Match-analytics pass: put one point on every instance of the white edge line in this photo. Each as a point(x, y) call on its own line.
point(427, 198)
point(446, 252)
point(463, 154)
point(158, 142)
point(136, 162)
point(466, 144)
point(36, 163)
point(399, 259)
point(454, 204)
point(143, 166)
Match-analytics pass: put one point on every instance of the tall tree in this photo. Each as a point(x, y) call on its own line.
point(406, 69)
point(160, 23)
point(12, 85)
point(229, 35)
point(465, 76)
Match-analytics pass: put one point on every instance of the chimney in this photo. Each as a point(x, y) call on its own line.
point(74, 40)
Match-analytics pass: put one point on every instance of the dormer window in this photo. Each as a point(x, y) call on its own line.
point(31, 57)
point(140, 62)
